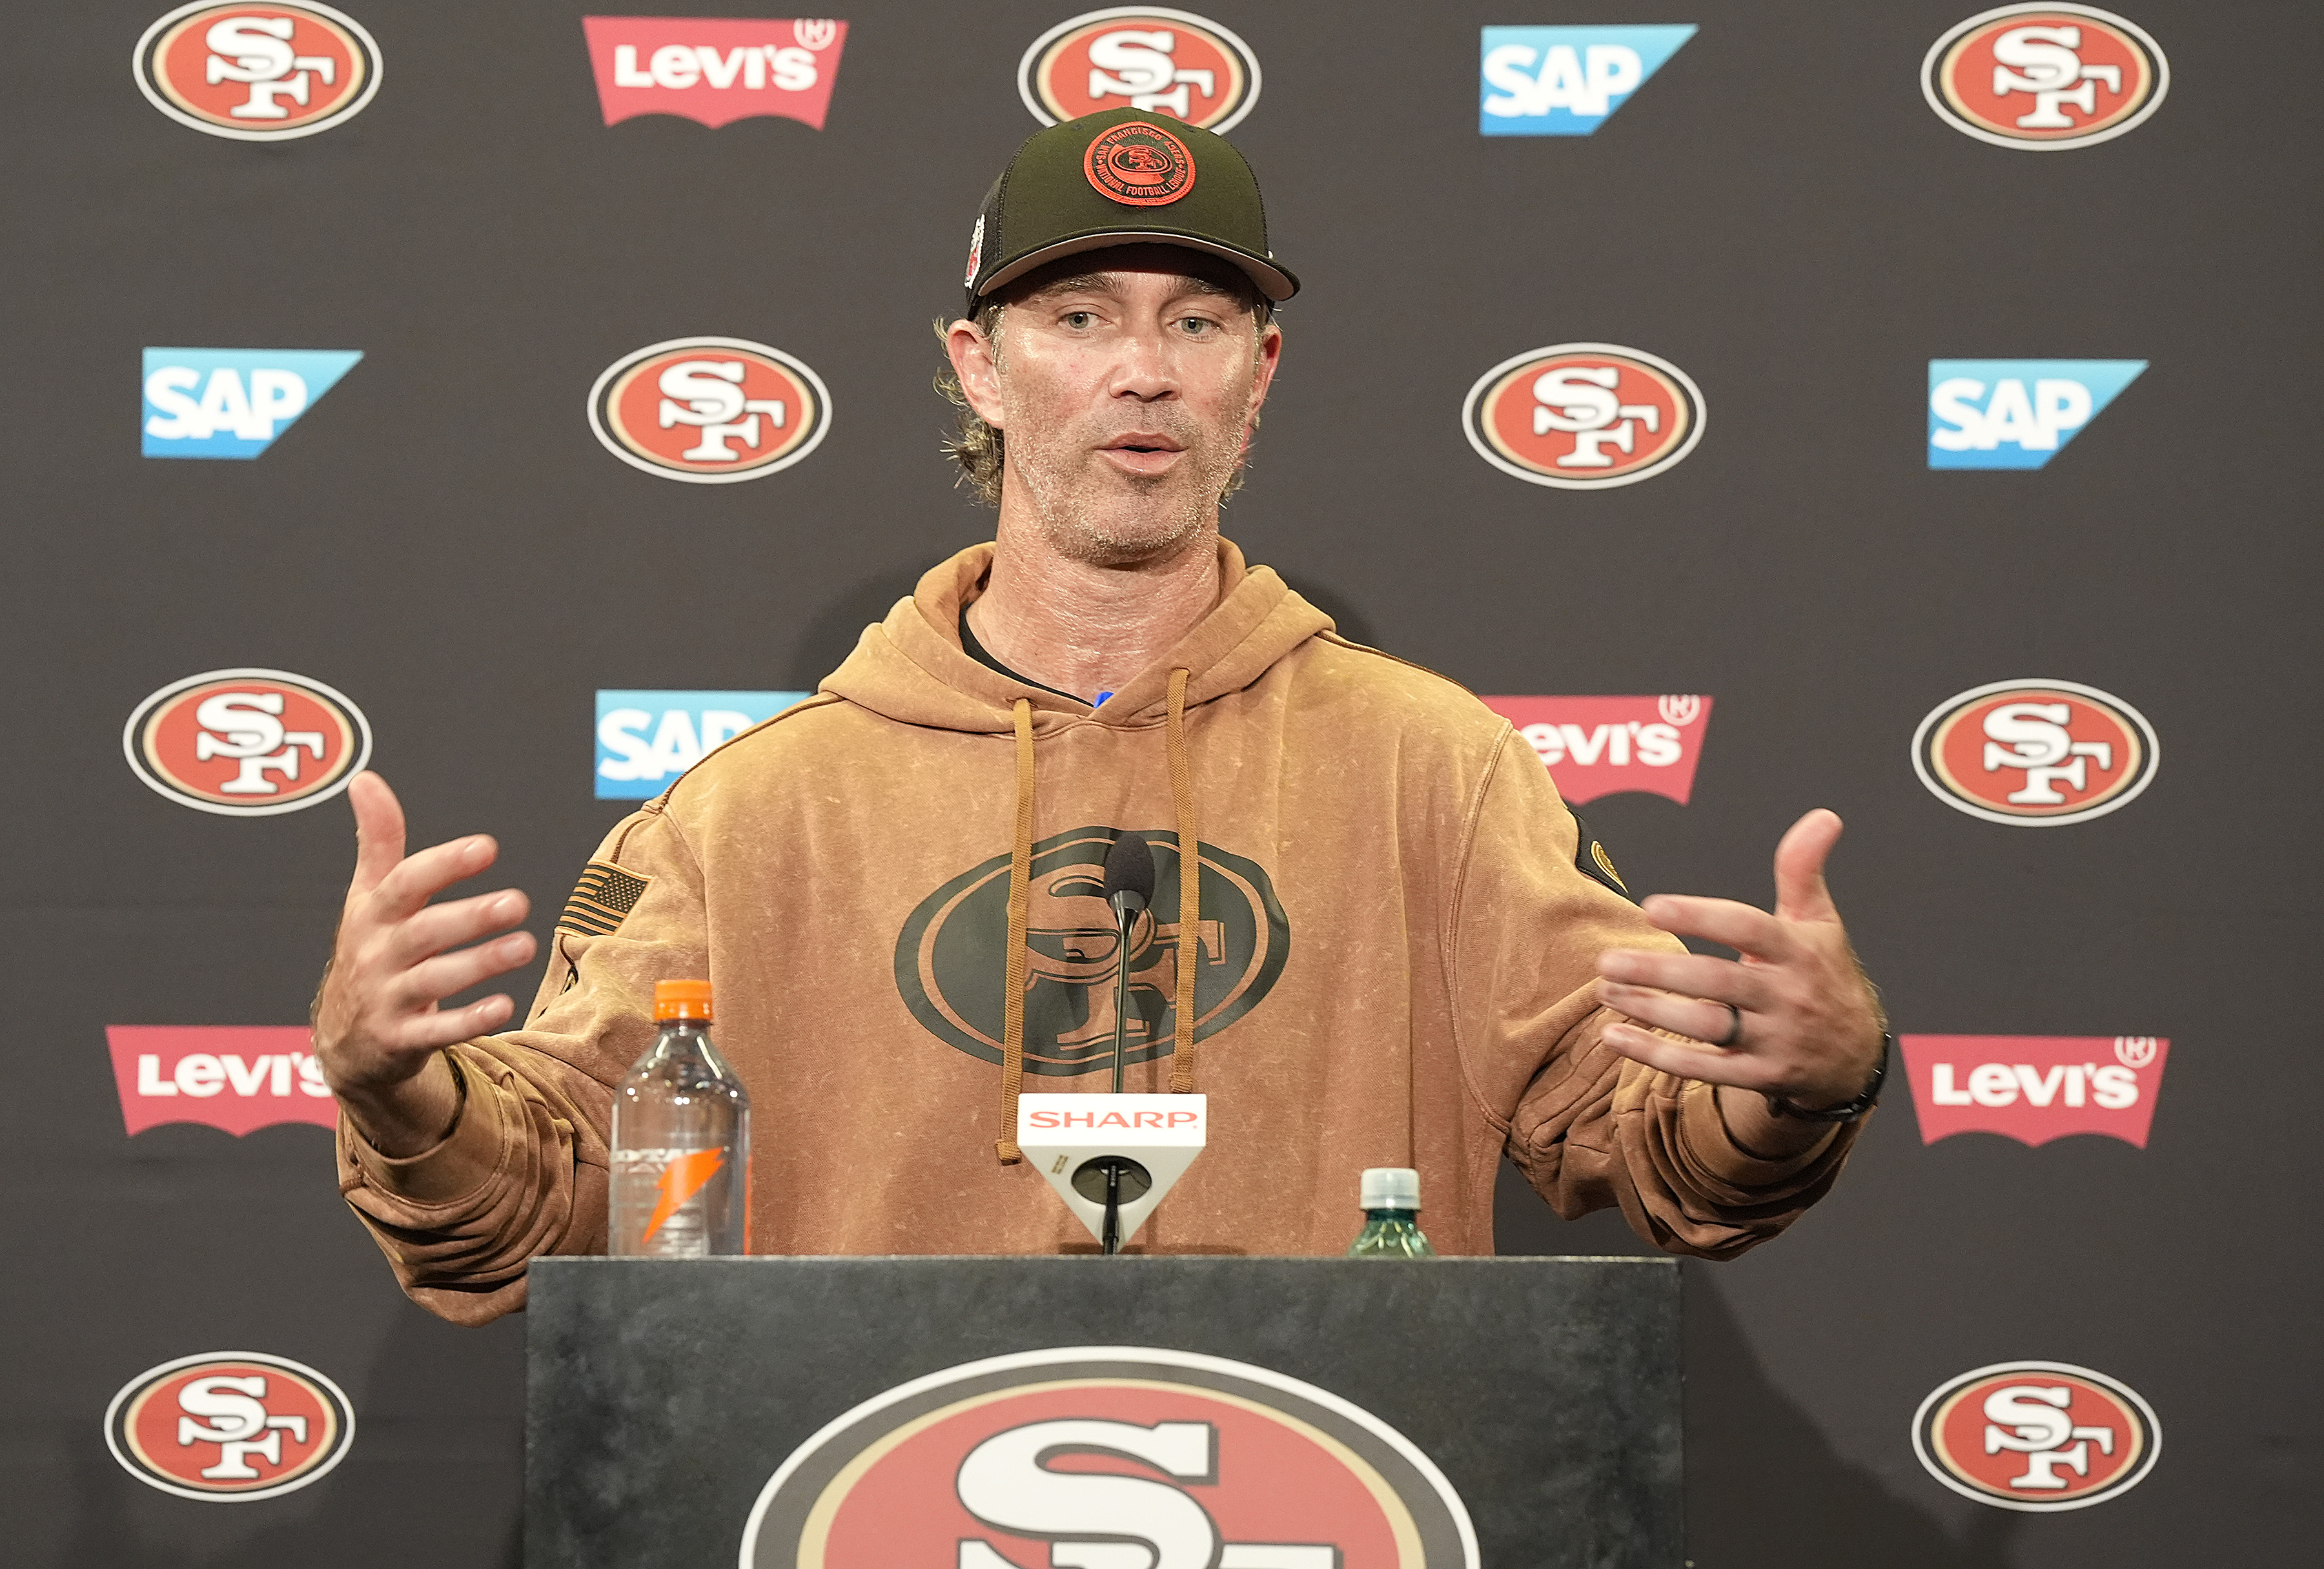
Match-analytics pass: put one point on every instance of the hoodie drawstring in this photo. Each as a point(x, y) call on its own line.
point(1020, 904)
point(1190, 887)
point(1020, 901)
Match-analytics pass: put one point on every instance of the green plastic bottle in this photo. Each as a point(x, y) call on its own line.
point(1391, 1200)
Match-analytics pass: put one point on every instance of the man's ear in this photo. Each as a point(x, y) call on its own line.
point(1271, 353)
point(975, 362)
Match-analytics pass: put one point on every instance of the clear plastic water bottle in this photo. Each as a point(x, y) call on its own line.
point(681, 1186)
point(1391, 1200)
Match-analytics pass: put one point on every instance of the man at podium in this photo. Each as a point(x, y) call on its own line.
point(1379, 938)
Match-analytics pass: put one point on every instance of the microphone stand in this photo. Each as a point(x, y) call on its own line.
point(1125, 916)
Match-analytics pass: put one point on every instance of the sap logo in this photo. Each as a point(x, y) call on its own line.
point(1600, 746)
point(1567, 82)
point(645, 740)
point(267, 72)
point(714, 70)
point(230, 1427)
point(233, 402)
point(235, 1079)
point(2034, 1088)
point(2017, 413)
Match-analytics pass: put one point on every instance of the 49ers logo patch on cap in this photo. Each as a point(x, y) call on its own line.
point(230, 1427)
point(1140, 164)
point(246, 743)
point(1583, 416)
point(1139, 57)
point(258, 72)
point(2033, 753)
point(2037, 1437)
point(2038, 78)
point(709, 411)
point(1099, 1455)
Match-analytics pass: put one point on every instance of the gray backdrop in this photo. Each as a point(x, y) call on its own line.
point(1777, 211)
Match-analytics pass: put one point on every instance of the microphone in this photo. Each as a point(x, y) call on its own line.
point(1112, 1158)
point(1128, 890)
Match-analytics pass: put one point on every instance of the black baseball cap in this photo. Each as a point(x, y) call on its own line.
point(1121, 177)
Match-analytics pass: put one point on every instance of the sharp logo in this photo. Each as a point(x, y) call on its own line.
point(2042, 77)
point(2038, 1437)
point(235, 1078)
point(1134, 57)
point(709, 411)
point(230, 1427)
point(2017, 413)
point(1567, 82)
point(1583, 416)
point(258, 73)
point(246, 743)
point(1106, 1456)
point(2036, 754)
point(713, 70)
point(2034, 1088)
point(645, 740)
point(233, 402)
point(1600, 746)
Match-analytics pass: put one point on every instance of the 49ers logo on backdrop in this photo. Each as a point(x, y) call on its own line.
point(2036, 754)
point(258, 72)
point(230, 1427)
point(709, 411)
point(1583, 416)
point(2037, 1437)
point(952, 956)
point(1139, 57)
point(246, 743)
point(2038, 78)
point(1099, 1454)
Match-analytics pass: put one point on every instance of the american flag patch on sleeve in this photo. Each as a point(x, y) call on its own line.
point(601, 901)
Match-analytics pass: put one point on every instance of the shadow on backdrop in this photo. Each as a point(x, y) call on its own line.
point(1765, 1489)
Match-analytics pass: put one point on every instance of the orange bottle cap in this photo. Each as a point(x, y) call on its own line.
point(681, 999)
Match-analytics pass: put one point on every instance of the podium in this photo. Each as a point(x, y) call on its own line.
point(1096, 1413)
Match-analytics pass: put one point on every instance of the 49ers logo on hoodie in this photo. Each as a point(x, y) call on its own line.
point(951, 957)
point(1103, 1456)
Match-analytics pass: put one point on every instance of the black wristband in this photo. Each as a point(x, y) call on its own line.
point(1846, 1111)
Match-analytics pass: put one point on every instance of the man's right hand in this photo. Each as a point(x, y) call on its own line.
point(378, 1030)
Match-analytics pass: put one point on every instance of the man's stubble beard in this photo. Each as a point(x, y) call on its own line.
point(1103, 519)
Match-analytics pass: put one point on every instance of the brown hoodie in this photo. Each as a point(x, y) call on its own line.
point(1390, 964)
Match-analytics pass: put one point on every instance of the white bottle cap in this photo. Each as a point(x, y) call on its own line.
point(1391, 1188)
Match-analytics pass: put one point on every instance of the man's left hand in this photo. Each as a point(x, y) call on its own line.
point(1804, 1024)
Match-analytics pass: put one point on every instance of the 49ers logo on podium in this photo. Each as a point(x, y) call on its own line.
point(258, 73)
point(230, 1427)
point(709, 411)
point(2036, 754)
point(246, 743)
point(1140, 57)
point(1099, 1455)
point(2037, 1437)
point(2039, 78)
point(1583, 416)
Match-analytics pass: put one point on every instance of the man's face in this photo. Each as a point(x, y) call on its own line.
point(1125, 389)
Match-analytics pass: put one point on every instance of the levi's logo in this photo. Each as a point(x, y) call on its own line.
point(236, 1078)
point(714, 70)
point(1598, 746)
point(2034, 1088)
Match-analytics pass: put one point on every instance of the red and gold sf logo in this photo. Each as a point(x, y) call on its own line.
point(709, 411)
point(258, 72)
point(1139, 58)
point(1583, 416)
point(229, 1425)
point(2041, 77)
point(2037, 1436)
point(2030, 753)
